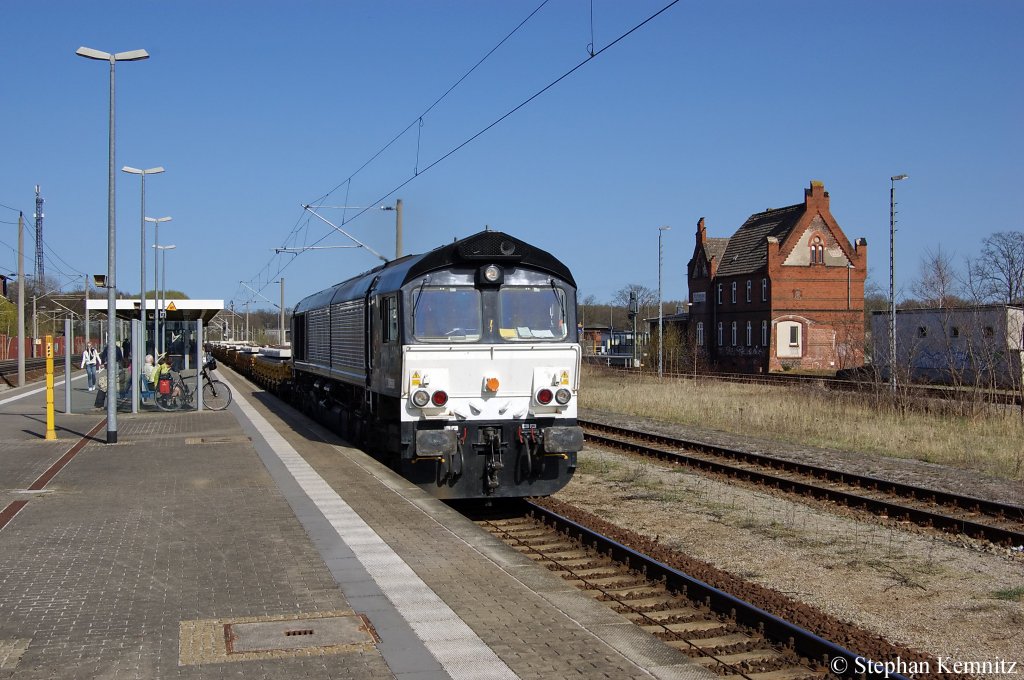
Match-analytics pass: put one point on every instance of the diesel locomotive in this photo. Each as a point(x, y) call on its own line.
point(458, 367)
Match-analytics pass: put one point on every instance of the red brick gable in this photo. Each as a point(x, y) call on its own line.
point(816, 205)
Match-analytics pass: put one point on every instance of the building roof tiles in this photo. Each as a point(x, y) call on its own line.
point(746, 252)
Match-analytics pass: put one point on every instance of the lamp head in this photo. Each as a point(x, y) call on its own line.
point(896, 178)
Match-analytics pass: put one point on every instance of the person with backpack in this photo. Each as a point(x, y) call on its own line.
point(91, 362)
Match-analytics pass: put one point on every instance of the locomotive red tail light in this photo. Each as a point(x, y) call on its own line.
point(544, 396)
point(439, 398)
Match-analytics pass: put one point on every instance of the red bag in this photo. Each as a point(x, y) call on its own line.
point(164, 386)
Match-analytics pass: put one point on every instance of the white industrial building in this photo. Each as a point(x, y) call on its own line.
point(981, 345)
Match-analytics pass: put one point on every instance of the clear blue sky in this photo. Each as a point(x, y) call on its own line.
point(714, 109)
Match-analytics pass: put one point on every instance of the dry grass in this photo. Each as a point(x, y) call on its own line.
point(990, 443)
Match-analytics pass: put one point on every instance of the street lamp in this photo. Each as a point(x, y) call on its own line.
point(661, 331)
point(155, 221)
point(133, 55)
point(892, 281)
point(142, 250)
point(163, 291)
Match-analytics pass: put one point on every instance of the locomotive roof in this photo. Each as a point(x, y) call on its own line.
point(480, 248)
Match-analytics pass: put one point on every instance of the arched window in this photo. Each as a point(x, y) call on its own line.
point(817, 250)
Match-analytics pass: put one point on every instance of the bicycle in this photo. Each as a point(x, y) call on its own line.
point(176, 395)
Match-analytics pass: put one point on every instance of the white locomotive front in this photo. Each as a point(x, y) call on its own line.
point(460, 366)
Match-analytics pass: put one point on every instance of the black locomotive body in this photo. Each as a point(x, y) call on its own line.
point(459, 367)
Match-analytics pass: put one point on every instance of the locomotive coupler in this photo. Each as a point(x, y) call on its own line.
point(493, 445)
point(455, 471)
point(528, 439)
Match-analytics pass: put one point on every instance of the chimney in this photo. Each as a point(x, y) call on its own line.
point(702, 233)
point(816, 196)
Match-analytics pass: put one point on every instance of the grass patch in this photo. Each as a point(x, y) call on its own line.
point(1010, 594)
point(988, 442)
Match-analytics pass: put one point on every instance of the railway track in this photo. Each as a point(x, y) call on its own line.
point(999, 523)
point(715, 629)
point(9, 368)
point(968, 394)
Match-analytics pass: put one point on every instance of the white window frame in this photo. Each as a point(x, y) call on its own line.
point(764, 333)
point(764, 289)
point(734, 292)
point(720, 338)
point(700, 333)
point(733, 333)
point(750, 287)
point(750, 333)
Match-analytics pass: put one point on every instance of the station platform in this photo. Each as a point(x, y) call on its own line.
point(254, 543)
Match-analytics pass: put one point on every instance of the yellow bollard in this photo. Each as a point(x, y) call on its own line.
point(50, 432)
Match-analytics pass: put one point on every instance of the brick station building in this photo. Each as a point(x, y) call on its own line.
point(785, 292)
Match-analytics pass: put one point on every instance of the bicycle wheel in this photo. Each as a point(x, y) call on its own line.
point(166, 402)
point(216, 395)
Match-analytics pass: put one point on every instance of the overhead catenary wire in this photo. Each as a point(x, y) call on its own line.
point(506, 115)
point(418, 120)
point(591, 55)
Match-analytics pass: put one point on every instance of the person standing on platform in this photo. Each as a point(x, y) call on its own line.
point(91, 362)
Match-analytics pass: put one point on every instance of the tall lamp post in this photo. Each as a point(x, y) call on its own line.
point(156, 221)
point(142, 250)
point(133, 55)
point(158, 340)
point(661, 330)
point(892, 281)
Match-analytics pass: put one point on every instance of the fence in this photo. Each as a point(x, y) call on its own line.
point(9, 347)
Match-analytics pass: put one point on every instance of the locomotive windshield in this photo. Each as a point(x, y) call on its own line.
point(513, 313)
point(532, 313)
point(446, 314)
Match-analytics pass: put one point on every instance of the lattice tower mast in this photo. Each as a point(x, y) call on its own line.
point(40, 274)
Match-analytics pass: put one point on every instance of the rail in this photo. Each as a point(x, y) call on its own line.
point(907, 506)
point(784, 634)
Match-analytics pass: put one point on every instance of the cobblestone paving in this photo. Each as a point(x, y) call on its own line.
point(134, 538)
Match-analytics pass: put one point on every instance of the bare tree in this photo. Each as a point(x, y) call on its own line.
point(997, 274)
point(646, 298)
point(936, 283)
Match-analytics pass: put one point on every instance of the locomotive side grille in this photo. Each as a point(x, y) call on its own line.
point(318, 336)
point(347, 328)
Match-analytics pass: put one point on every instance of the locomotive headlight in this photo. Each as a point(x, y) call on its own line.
point(420, 398)
point(563, 396)
point(490, 275)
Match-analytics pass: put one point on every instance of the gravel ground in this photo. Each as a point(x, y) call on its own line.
point(922, 591)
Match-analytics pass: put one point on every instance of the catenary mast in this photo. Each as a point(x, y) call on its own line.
point(40, 274)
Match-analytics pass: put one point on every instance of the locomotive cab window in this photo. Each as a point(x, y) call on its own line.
point(532, 313)
point(446, 314)
point(389, 318)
